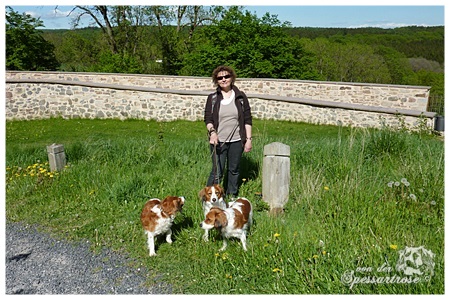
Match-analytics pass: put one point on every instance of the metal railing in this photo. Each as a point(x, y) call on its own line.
point(436, 104)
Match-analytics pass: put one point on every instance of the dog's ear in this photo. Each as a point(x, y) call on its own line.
point(179, 203)
point(221, 220)
point(219, 190)
point(217, 224)
point(202, 194)
point(166, 204)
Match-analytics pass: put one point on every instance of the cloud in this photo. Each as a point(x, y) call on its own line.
point(33, 14)
point(53, 13)
point(56, 13)
point(387, 25)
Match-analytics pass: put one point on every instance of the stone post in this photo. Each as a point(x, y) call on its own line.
point(276, 176)
point(56, 157)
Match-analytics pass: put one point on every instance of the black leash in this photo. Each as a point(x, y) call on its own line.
point(215, 164)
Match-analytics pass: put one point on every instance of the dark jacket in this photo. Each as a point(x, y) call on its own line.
point(242, 104)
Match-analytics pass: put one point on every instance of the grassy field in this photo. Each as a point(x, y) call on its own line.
point(357, 198)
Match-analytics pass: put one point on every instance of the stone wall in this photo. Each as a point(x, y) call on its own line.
point(31, 95)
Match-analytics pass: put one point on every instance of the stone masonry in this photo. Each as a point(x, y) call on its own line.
point(32, 95)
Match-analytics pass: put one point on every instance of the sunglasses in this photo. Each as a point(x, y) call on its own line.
point(222, 77)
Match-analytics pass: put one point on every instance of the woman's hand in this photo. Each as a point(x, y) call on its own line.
point(248, 145)
point(213, 138)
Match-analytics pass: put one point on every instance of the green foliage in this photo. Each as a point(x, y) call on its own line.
point(413, 41)
point(116, 63)
point(170, 48)
point(193, 40)
point(421, 63)
point(347, 62)
point(401, 53)
point(256, 48)
point(26, 49)
point(345, 209)
point(77, 50)
point(435, 80)
point(399, 68)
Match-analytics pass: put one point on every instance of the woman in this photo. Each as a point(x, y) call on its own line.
point(228, 120)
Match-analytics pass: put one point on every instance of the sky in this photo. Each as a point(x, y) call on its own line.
point(342, 14)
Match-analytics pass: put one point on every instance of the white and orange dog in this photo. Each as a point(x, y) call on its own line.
point(211, 196)
point(234, 221)
point(157, 218)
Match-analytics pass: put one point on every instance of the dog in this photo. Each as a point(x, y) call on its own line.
point(211, 196)
point(233, 221)
point(157, 217)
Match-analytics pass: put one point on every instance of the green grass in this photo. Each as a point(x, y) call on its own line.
point(341, 216)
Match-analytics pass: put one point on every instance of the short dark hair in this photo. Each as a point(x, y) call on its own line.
point(219, 69)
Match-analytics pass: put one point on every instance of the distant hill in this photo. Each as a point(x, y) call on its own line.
point(413, 41)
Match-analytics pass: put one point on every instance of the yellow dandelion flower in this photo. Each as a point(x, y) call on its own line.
point(393, 247)
point(276, 235)
point(315, 256)
point(324, 252)
point(244, 179)
point(217, 255)
point(229, 276)
point(276, 270)
point(326, 188)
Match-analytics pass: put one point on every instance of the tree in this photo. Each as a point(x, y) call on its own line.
point(433, 79)
point(102, 18)
point(26, 49)
point(116, 63)
point(79, 52)
point(122, 27)
point(254, 47)
point(127, 29)
point(359, 63)
point(397, 63)
point(347, 62)
point(420, 63)
point(176, 40)
point(322, 61)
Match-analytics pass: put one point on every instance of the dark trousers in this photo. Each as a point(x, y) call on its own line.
point(231, 154)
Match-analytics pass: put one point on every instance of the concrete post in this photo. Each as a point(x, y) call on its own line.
point(276, 176)
point(56, 157)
